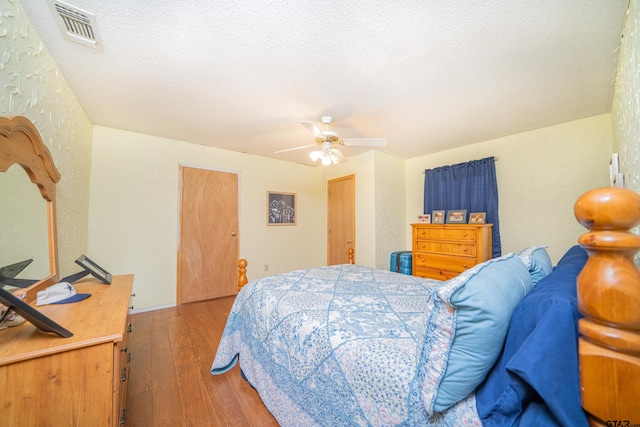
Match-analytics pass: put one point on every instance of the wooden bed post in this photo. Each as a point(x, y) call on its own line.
point(350, 258)
point(242, 273)
point(609, 298)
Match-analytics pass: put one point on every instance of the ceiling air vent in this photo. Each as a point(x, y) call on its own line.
point(75, 24)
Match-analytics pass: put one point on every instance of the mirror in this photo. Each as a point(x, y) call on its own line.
point(27, 194)
point(23, 225)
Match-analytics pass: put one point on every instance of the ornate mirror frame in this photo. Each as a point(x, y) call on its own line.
point(20, 143)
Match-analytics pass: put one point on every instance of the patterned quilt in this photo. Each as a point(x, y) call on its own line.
point(343, 345)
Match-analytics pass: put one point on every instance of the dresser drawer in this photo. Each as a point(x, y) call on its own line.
point(446, 233)
point(434, 273)
point(443, 262)
point(440, 247)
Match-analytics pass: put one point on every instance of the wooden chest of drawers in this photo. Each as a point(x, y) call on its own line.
point(442, 251)
point(78, 381)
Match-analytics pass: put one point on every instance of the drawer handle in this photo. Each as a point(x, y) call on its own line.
point(123, 416)
point(465, 266)
point(464, 234)
point(466, 249)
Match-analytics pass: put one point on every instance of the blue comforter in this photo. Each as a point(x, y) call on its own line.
point(339, 345)
point(348, 345)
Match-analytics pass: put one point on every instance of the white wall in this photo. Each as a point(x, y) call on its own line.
point(390, 208)
point(540, 175)
point(33, 86)
point(626, 100)
point(133, 218)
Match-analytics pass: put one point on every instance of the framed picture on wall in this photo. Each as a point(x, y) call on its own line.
point(437, 217)
point(281, 208)
point(457, 216)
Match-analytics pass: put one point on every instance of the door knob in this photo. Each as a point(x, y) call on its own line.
point(233, 233)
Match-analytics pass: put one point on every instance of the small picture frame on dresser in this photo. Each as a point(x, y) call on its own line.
point(457, 216)
point(437, 217)
point(424, 218)
point(477, 217)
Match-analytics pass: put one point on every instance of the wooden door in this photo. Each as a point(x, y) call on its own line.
point(208, 249)
point(341, 213)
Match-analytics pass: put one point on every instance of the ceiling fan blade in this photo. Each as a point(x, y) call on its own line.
point(365, 142)
point(311, 127)
point(337, 156)
point(294, 148)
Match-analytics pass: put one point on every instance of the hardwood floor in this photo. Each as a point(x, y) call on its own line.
point(170, 383)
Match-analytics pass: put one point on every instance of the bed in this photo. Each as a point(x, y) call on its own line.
point(498, 345)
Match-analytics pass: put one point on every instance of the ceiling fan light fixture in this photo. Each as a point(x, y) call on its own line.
point(334, 158)
point(315, 155)
point(326, 155)
point(326, 139)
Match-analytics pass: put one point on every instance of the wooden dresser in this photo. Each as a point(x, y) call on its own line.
point(47, 380)
point(442, 251)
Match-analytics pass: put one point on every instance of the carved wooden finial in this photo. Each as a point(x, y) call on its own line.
point(609, 298)
point(242, 273)
point(350, 258)
point(609, 284)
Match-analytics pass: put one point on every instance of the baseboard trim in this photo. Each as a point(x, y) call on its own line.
point(155, 307)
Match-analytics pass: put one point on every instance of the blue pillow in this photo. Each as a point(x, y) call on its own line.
point(537, 260)
point(541, 345)
point(484, 297)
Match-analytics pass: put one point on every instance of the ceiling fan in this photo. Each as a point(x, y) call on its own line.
point(326, 139)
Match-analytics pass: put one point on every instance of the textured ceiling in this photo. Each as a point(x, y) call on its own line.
point(425, 75)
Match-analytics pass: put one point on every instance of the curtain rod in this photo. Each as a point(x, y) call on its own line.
point(495, 159)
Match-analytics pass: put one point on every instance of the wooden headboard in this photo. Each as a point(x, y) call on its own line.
point(609, 298)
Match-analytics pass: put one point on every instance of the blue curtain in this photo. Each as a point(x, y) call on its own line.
point(471, 186)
